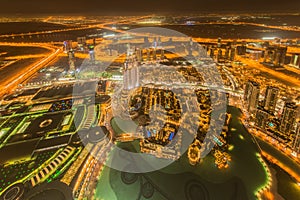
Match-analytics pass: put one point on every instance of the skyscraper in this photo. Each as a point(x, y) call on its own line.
point(275, 56)
point(251, 96)
point(68, 45)
point(288, 118)
point(81, 41)
point(296, 142)
point(219, 42)
point(241, 50)
point(262, 118)
point(71, 60)
point(271, 97)
point(162, 54)
point(131, 71)
point(139, 55)
point(295, 60)
point(232, 53)
point(92, 53)
point(280, 55)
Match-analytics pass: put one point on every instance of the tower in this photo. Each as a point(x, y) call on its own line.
point(71, 60)
point(162, 54)
point(139, 55)
point(251, 96)
point(81, 41)
point(261, 119)
point(288, 118)
point(92, 53)
point(219, 42)
point(271, 97)
point(131, 71)
point(232, 53)
point(296, 142)
point(68, 46)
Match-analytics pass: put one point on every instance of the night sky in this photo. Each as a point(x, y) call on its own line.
point(144, 6)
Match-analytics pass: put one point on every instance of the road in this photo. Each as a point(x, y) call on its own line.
point(11, 77)
point(254, 64)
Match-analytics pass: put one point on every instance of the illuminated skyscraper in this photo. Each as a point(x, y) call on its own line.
point(295, 60)
point(219, 42)
point(275, 56)
point(251, 96)
point(162, 54)
point(68, 45)
point(219, 56)
point(296, 142)
point(288, 118)
point(232, 53)
point(92, 53)
point(131, 71)
point(148, 54)
point(280, 56)
point(154, 54)
point(241, 50)
point(271, 97)
point(262, 118)
point(81, 41)
point(71, 60)
point(139, 55)
point(212, 53)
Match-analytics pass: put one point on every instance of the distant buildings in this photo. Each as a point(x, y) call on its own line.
point(219, 42)
point(295, 60)
point(288, 118)
point(251, 96)
point(81, 41)
point(275, 55)
point(241, 50)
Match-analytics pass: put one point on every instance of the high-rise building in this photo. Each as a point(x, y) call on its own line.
point(162, 54)
point(232, 53)
point(219, 56)
point(154, 54)
point(275, 55)
point(296, 142)
point(251, 96)
point(139, 55)
point(148, 55)
point(219, 42)
point(212, 53)
point(81, 41)
point(227, 51)
point(295, 60)
point(280, 56)
point(92, 53)
point(262, 118)
point(288, 118)
point(68, 45)
point(241, 50)
point(271, 97)
point(131, 71)
point(71, 60)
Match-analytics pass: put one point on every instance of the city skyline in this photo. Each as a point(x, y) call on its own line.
point(139, 106)
point(115, 7)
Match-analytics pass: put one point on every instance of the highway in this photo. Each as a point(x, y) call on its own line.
point(11, 78)
point(254, 64)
